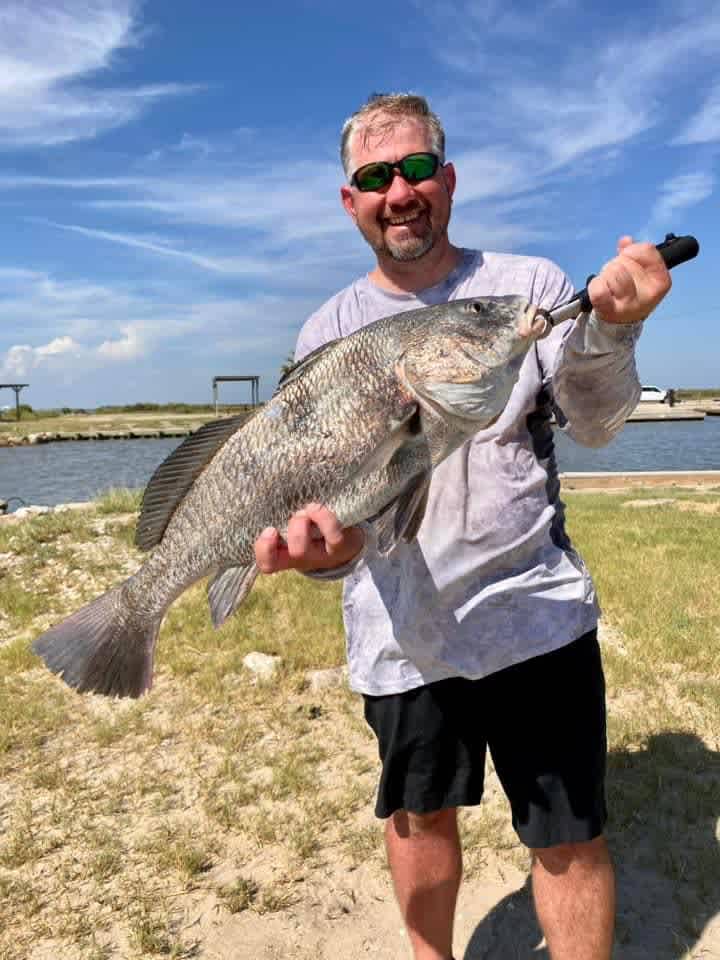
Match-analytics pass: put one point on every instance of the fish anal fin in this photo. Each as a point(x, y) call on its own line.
point(228, 590)
point(414, 513)
point(176, 475)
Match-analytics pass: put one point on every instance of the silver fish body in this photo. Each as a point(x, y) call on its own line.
point(358, 425)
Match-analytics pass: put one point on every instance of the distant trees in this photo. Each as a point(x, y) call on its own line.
point(287, 364)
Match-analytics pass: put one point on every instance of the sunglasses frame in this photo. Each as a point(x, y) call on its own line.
point(391, 169)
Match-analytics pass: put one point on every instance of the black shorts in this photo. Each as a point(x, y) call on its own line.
point(544, 722)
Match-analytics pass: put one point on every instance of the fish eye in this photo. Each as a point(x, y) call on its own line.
point(476, 306)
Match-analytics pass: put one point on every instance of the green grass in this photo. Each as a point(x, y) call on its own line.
point(217, 788)
point(119, 500)
point(27, 539)
point(656, 572)
point(137, 417)
point(240, 895)
point(289, 616)
point(19, 607)
point(29, 714)
point(687, 393)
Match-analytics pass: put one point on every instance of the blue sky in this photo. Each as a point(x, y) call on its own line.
point(169, 172)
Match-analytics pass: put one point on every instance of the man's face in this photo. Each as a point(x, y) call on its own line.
point(403, 221)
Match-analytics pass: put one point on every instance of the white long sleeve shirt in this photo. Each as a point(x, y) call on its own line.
point(492, 578)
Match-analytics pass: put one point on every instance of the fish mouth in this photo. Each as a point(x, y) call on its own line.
point(476, 362)
point(533, 322)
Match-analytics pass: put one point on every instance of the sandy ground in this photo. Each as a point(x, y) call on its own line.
point(668, 897)
point(352, 914)
point(342, 909)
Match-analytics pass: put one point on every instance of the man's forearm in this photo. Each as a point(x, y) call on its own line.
point(595, 381)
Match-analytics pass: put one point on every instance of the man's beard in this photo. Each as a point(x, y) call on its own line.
point(412, 248)
point(409, 249)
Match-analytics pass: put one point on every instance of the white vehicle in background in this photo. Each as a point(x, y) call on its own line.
point(655, 394)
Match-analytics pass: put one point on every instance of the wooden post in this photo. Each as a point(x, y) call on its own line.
point(254, 381)
point(17, 387)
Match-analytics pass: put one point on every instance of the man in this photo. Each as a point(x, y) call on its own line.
point(482, 633)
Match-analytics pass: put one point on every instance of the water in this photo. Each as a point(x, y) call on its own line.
point(80, 470)
point(668, 445)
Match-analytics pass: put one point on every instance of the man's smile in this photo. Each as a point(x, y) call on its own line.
point(401, 219)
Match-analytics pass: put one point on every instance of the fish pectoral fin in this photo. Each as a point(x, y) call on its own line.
point(401, 519)
point(399, 431)
point(228, 590)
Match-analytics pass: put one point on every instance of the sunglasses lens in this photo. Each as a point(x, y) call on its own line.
point(414, 168)
point(373, 176)
point(418, 166)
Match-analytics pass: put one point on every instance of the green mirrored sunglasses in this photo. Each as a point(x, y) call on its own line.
point(413, 168)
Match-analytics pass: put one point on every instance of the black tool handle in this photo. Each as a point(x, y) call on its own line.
point(674, 250)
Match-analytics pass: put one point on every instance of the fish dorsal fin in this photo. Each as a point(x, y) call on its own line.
point(401, 519)
point(302, 365)
point(228, 590)
point(175, 475)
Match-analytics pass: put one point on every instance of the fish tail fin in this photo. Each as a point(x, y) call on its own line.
point(103, 648)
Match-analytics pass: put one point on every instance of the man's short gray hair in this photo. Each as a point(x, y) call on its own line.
point(390, 109)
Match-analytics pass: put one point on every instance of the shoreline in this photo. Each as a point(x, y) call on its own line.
point(178, 426)
point(576, 482)
point(599, 481)
point(32, 439)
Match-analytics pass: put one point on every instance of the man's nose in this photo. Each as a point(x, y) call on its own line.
point(399, 190)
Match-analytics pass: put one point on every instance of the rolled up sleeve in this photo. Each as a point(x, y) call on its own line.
point(594, 377)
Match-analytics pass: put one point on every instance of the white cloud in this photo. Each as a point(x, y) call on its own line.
point(57, 346)
point(129, 346)
point(18, 361)
point(64, 354)
point(491, 172)
point(281, 206)
point(600, 93)
point(681, 192)
point(49, 53)
point(72, 331)
point(10, 276)
point(229, 265)
point(704, 127)
point(22, 358)
point(302, 204)
point(20, 182)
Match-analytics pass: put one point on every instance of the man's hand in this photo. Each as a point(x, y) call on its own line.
point(315, 541)
point(629, 287)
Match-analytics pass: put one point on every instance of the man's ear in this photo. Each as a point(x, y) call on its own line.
point(346, 195)
point(448, 171)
